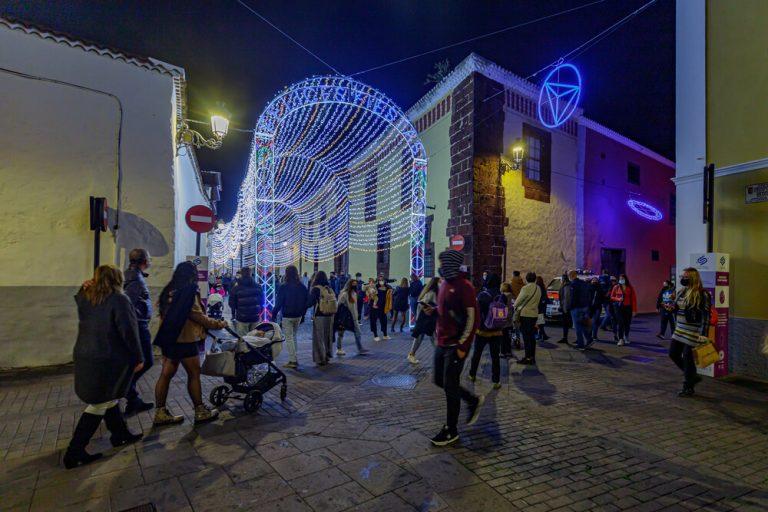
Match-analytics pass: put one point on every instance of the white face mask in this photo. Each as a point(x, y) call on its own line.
point(381, 281)
point(622, 281)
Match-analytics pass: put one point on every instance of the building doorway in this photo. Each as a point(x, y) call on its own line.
point(614, 261)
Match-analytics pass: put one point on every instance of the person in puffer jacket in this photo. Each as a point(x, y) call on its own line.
point(245, 301)
point(138, 292)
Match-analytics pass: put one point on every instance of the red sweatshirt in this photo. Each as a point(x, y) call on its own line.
point(625, 297)
point(454, 297)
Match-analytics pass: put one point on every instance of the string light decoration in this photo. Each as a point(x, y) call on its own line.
point(645, 210)
point(559, 95)
point(305, 192)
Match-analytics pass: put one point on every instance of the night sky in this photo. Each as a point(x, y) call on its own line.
point(233, 58)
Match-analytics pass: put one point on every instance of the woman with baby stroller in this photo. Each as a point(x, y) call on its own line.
point(183, 325)
point(107, 353)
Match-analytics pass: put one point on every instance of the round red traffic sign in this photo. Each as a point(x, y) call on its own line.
point(457, 242)
point(200, 219)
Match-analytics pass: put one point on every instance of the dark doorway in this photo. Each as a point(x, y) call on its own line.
point(382, 248)
point(429, 249)
point(614, 261)
point(341, 263)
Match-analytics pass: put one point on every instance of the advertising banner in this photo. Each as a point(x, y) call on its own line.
point(714, 268)
point(202, 275)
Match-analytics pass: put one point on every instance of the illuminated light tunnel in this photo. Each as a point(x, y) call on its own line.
point(331, 159)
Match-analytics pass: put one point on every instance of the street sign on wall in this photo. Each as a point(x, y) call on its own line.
point(457, 242)
point(756, 193)
point(200, 219)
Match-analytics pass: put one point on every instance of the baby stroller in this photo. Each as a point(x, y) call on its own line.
point(216, 306)
point(246, 364)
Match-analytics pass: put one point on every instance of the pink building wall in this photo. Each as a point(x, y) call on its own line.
point(610, 223)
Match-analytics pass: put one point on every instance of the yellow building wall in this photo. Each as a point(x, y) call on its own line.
point(737, 132)
point(737, 81)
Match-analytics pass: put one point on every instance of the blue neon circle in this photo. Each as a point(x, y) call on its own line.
point(559, 95)
point(645, 210)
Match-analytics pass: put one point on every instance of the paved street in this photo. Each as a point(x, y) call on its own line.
point(602, 430)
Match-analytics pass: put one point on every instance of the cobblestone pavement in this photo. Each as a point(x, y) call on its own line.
point(601, 430)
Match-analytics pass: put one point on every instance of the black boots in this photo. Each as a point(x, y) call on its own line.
point(113, 418)
point(76, 454)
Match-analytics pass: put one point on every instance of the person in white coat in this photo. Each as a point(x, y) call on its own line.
point(348, 299)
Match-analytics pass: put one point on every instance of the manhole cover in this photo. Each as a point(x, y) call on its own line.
point(639, 359)
point(394, 381)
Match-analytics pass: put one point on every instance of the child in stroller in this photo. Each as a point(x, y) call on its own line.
point(253, 371)
point(216, 306)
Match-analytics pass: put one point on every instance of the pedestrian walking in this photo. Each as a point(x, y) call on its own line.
point(380, 303)
point(138, 292)
point(360, 302)
point(692, 312)
point(457, 321)
point(226, 282)
point(291, 301)
point(346, 318)
point(183, 325)
point(580, 300)
point(305, 280)
point(508, 333)
point(665, 305)
point(246, 301)
point(489, 333)
point(541, 321)
point(107, 354)
point(624, 305)
point(607, 286)
point(565, 303)
point(596, 302)
point(414, 292)
point(516, 283)
point(323, 300)
point(400, 304)
point(333, 282)
point(526, 314)
point(425, 324)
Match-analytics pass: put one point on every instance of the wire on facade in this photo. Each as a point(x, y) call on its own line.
point(286, 35)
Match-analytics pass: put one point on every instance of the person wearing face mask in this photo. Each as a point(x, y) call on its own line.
point(380, 302)
point(292, 297)
point(346, 318)
point(138, 292)
point(624, 304)
point(457, 322)
point(665, 305)
point(692, 327)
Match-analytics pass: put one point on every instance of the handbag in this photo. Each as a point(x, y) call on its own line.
point(519, 310)
point(540, 320)
point(705, 354)
point(219, 364)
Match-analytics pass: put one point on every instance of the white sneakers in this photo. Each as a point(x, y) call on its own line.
point(387, 337)
point(340, 352)
point(376, 338)
point(412, 359)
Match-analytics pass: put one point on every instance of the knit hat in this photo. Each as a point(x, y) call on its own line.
point(450, 263)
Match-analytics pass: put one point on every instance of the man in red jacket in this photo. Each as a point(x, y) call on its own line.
point(457, 321)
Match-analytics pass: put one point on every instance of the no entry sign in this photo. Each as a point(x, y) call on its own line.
point(200, 219)
point(457, 242)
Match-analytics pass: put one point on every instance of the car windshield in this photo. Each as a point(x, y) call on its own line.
point(554, 284)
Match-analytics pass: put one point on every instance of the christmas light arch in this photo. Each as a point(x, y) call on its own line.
point(309, 189)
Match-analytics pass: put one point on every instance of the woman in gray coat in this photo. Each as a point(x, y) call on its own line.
point(107, 353)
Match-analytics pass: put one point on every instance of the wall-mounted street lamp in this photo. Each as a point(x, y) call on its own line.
point(189, 137)
point(517, 154)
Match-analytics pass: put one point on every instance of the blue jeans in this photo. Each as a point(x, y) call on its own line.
point(356, 332)
point(608, 317)
point(579, 315)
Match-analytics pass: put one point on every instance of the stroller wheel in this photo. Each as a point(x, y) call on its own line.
point(219, 395)
point(252, 401)
point(283, 392)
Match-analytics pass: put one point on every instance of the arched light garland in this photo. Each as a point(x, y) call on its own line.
point(316, 148)
point(645, 210)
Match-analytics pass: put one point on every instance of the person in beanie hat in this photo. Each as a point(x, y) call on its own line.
point(457, 321)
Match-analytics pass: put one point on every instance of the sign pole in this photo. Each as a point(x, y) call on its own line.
point(96, 247)
point(197, 245)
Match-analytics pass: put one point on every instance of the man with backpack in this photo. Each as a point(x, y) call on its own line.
point(457, 321)
point(493, 318)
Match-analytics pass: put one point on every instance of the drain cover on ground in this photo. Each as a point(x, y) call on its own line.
point(394, 381)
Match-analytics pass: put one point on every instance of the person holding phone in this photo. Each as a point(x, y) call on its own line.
point(457, 322)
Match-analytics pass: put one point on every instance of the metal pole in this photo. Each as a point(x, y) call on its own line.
point(197, 245)
point(96, 247)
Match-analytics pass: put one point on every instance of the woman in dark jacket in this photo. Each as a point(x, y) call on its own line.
point(487, 335)
point(400, 303)
point(107, 353)
point(183, 325)
point(542, 308)
point(322, 322)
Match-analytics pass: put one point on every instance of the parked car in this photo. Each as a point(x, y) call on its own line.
point(554, 312)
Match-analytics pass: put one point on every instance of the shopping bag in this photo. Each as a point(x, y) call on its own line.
point(219, 364)
point(705, 355)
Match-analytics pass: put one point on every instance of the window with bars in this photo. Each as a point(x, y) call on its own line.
point(533, 160)
point(537, 164)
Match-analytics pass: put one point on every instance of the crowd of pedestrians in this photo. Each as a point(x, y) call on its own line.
point(114, 346)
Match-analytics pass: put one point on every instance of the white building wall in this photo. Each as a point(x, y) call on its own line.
point(58, 146)
point(691, 126)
